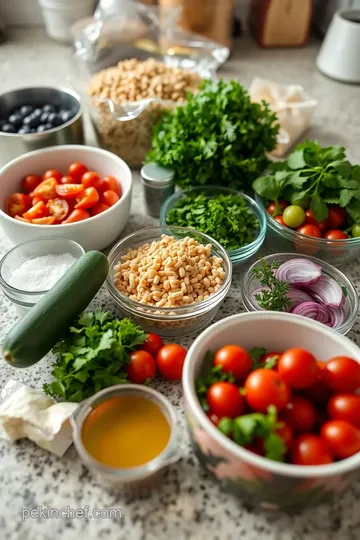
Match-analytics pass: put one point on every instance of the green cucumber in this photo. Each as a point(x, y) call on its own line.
point(47, 322)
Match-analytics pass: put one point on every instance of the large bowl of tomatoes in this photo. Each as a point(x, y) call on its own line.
point(75, 192)
point(292, 228)
point(273, 408)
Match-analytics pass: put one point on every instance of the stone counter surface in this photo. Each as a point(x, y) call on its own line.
point(187, 505)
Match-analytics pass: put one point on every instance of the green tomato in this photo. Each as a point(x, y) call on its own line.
point(302, 202)
point(293, 216)
point(355, 230)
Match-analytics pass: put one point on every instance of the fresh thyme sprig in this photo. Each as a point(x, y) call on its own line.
point(274, 296)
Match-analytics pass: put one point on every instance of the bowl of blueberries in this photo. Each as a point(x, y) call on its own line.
point(36, 117)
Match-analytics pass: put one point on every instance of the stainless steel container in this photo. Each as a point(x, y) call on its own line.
point(13, 145)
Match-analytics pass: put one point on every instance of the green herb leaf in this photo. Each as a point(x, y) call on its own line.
point(274, 295)
point(318, 207)
point(345, 197)
point(256, 354)
point(296, 160)
point(274, 447)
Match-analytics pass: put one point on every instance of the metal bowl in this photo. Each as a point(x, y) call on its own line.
point(13, 145)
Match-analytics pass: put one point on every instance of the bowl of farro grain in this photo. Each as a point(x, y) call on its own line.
point(169, 280)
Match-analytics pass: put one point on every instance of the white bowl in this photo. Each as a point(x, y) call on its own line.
point(271, 484)
point(97, 232)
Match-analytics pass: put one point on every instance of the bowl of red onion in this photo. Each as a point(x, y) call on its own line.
point(301, 285)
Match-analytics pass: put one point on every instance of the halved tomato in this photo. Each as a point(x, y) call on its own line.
point(19, 218)
point(109, 182)
point(37, 211)
point(50, 220)
point(47, 189)
point(52, 173)
point(109, 197)
point(89, 197)
point(36, 199)
point(17, 204)
point(59, 208)
point(99, 208)
point(77, 215)
point(69, 191)
point(30, 182)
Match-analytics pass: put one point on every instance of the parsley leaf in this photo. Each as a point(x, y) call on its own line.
point(273, 297)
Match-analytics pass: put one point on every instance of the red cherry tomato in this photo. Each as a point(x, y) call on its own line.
point(300, 414)
point(309, 230)
point(233, 359)
point(336, 217)
point(264, 387)
point(319, 393)
point(285, 431)
point(49, 220)
point(271, 208)
point(17, 204)
point(280, 220)
point(109, 197)
point(37, 211)
point(59, 208)
point(77, 215)
point(69, 191)
point(170, 360)
point(76, 172)
point(98, 208)
point(141, 367)
point(37, 199)
point(310, 450)
point(30, 182)
point(19, 218)
point(110, 183)
point(335, 235)
point(90, 179)
point(88, 198)
point(47, 189)
point(298, 368)
point(342, 438)
point(52, 173)
point(345, 407)
point(310, 220)
point(213, 418)
point(224, 399)
point(342, 374)
point(67, 180)
point(153, 344)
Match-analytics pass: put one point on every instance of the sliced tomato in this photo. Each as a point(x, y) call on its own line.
point(36, 199)
point(49, 220)
point(69, 191)
point(77, 215)
point(90, 179)
point(47, 189)
point(17, 204)
point(59, 208)
point(37, 211)
point(109, 197)
point(67, 180)
point(19, 218)
point(52, 173)
point(30, 182)
point(98, 208)
point(110, 183)
point(89, 197)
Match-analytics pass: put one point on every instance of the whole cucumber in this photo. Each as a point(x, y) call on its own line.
point(47, 322)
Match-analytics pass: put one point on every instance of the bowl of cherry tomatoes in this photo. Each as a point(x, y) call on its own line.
point(76, 192)
point(272, 405)
point(293, 228)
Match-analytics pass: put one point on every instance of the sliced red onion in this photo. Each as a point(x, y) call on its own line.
point(256, 292)
point(299, 272)
point(312, 310)
point(336, 317)
point(327, 291)
point(297, 296)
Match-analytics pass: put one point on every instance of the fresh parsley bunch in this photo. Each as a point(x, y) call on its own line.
point(93, 355)
point(218, 137)
point(322, 175)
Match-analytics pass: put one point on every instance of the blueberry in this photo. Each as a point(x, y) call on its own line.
point(33, 130)
point(2, 122)
point(37, 113)
point(8, 128)
point(15, 120)
point(49, 108)
point(41, 128)
point(25, 110)
point(32, 121)
point(44, 117)
point(65, 115)
point(54, 119)
point(24, 130)
point(48, 126)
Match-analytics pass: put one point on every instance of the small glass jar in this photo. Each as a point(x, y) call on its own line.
point(158, 185)
point(24, 299)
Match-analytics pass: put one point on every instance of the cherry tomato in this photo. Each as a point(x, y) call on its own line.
point(76, 171)
point(19, 218)
point(342, 374)
point(224, 399)
point(37, 211)
point(59, 208)
point(355, 230)
point(213, 418)
point(310, 450)
point(310, 220)
point(271, 208)
point(294, 216)
point(170, 360)
point(110, 183)
point(67, 180)
point(30, 182)
point(47, 189)
point(69, 191)
point(264, 387)
point(345, 407)
point(280, 220)
point(153, 344)
point(336, 217)
point(141, 367)
point(37, 199)
point(99, 208)
point(286, 433)
point(17, 204)
point(319, 393)
point(300, 414)
point(233, 359)
point(297, 368)
point(77, 215)
point(309, 230)
point(109, 197)
point(49, 220)
point(90, 179)
point(88, 198)
point(335, 235)
point(52, 173)
point(342, 438)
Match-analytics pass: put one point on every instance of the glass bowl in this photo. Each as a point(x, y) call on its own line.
point(169, 321)
point(24, 300)
point(351, 304)
point(284, 240)
point(236, 256)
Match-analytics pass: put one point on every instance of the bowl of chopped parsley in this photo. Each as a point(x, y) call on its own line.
point(232, 218)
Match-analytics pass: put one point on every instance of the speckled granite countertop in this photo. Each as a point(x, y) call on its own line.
point(188, 505)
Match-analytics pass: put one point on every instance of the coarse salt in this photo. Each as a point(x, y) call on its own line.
point(41, 273)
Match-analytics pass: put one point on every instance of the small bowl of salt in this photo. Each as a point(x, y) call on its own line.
point(30, 270)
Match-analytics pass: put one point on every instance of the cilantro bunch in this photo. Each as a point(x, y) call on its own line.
point(218, 137)
point(322, 175)
point(226, 218)
point(93, 355)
